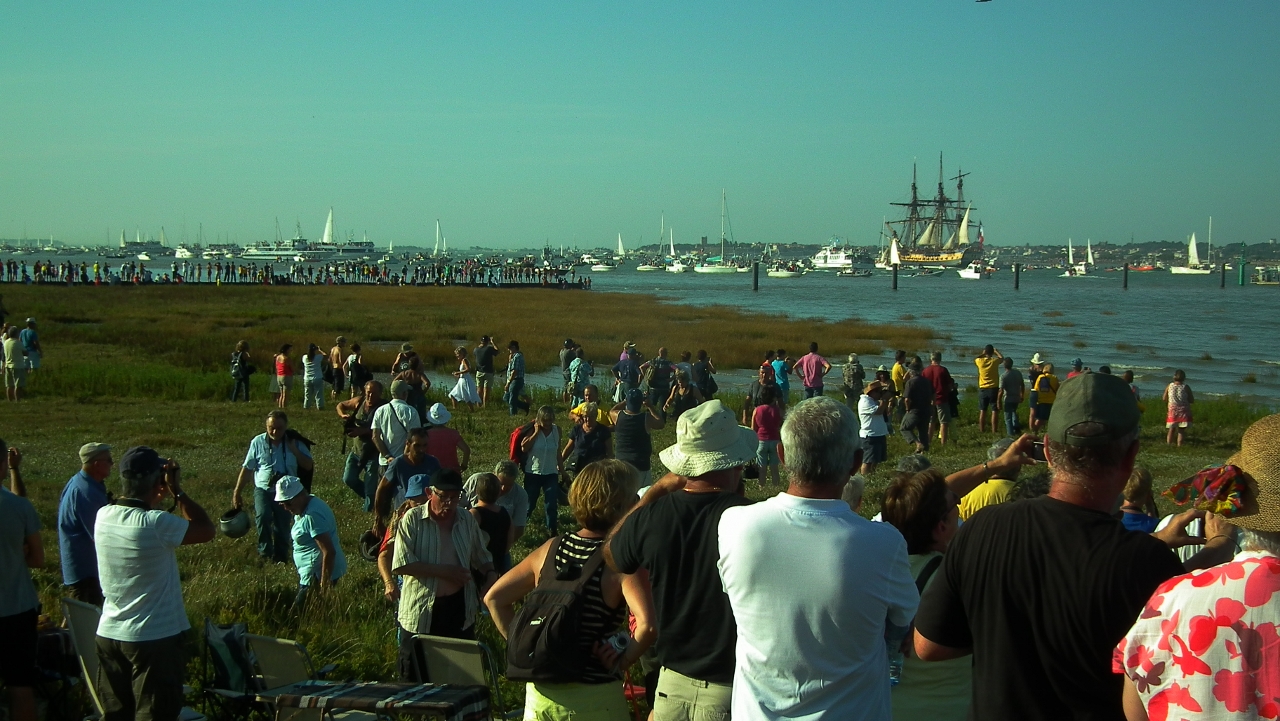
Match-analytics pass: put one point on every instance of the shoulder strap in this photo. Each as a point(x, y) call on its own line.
point(927, 572)
point(549, 563)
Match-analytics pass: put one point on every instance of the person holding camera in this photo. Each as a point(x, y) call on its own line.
point(272, 455)
point(140, 640)
point(357, 424)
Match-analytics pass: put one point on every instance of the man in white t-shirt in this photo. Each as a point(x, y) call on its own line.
point(140, 635)
point(812, 584)
point(391, 424)
point(873, 407)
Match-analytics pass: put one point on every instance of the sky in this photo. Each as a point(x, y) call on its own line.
point(516, 124)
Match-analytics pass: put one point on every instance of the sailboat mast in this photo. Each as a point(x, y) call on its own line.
point(722, 220)
point(436, 252)
point(1210, 249)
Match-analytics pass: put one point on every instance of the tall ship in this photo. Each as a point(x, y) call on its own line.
point(934, 232)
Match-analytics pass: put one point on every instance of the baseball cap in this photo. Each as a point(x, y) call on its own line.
point(399, 388)
point(288, 487)
point(635, 399)
point(89, 451)
point(447, 479)
point(140, 461)
point(1093, 398)
point(406, 347)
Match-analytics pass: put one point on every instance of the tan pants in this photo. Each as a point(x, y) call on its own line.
point(681, 698)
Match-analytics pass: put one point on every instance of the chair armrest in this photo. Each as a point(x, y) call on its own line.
point(330, 668)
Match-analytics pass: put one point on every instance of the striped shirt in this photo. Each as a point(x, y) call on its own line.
point(417, 538)
point(598, 620)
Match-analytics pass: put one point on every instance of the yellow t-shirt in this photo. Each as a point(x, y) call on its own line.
point(988, 493)
point(602, 414)
point(988, 371)
point(1047, 388)
point(899, 376)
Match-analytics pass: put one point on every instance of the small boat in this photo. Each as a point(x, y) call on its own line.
point(143, 256)
point(851, 273)
point(721, 267)
point(647, 267)
point(926, 273)
point(835, 255)
point(602, 267)
point(972, 271)
point(1074, 269)
point(678, 267)
point(786, 271)
point(1194, 266)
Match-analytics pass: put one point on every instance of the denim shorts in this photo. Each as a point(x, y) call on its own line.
point(767, 453)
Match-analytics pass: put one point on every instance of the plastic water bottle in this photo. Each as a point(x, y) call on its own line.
point(895, 668)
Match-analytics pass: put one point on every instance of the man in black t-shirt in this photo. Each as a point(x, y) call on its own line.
point(917, 405)
point(1040, 591)
point(484, 367)
point(673, 533)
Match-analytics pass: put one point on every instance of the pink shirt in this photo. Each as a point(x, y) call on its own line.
point(768, 423)
point(809, 368)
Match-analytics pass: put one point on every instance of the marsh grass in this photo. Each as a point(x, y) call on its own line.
point(1052, 314)
point(1061, 324)
point(1079, 344)
point(1018, 327)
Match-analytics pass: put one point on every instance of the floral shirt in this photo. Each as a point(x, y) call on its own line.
point(1207, 643)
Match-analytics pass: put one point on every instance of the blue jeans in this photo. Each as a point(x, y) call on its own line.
point(272, 520)
point(1011, 420)
point(512, 397)
point(242, 384)
point(366, 487)
point(811, 392)
point(549, 485)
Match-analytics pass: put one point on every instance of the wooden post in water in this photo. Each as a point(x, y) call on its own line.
point(755, 276)
point(1126, 275)
point(895, 276)
point(1017, 275)
point(1242, 271)
point(1222, 276)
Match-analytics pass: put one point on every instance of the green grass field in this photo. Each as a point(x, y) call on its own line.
point(118, 383)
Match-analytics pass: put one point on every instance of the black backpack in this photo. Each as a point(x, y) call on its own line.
point(543, 641)
point(237, 365)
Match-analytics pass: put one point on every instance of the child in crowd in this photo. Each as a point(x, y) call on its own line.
point(493, 519)
point(1138, 510)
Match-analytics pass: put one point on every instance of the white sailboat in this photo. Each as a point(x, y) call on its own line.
point(676, 266)
point(647, 266)
point(1194, 266)
point(721, 267)
point(895, 257)
point(1081, 269)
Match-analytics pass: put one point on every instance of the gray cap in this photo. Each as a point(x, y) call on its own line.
point(90, 451)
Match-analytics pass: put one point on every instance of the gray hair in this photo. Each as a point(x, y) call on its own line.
point(997, 449)
point(135, 486)
point(852, 493)
point(820, 437)
point(506, 468)
point(546, 414)
point(1265, 541)
point(914, 463)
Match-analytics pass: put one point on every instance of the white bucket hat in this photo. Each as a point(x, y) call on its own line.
point(438, 415)
point(708, 438)
point(1036, 360)
point(287, 487)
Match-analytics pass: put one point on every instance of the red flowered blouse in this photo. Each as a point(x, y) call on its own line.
point(1207, 643)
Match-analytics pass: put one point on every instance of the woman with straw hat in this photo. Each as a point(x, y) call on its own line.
point(1209, 641)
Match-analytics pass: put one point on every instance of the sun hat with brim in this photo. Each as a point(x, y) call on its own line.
point(438, 415)
point(1093, 398)
point(1259, 459)
point(1036, 359)
point(708, 438)
point(417, 485)
point(287, 488)
point(406, 347)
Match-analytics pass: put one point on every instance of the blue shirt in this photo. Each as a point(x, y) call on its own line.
point(515, 366)
point(18, 520)
point(29, 339)
point(266, 460)
point(782, 374)
point(77, 512)
point(1139, 522)
point(316, 521)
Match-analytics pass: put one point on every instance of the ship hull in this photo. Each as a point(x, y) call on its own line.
point(941, 259)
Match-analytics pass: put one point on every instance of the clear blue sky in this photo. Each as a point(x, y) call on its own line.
point(517, 122)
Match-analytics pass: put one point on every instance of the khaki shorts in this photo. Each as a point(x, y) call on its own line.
point(484, 380)
point(681, 698)
point(15, 377)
